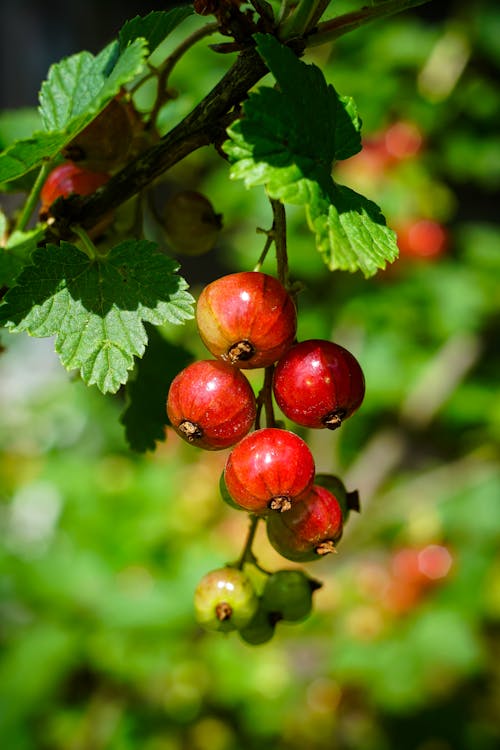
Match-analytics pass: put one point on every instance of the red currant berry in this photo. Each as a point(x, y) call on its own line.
point(225, 600)
point(269, 470)
point(68, 179)
point(191, 224)
point(422, 239)
point(310, 529)
point(347, 500)
point(318, 384)
point(402, 140)
point(247, 319)
point(211, 404)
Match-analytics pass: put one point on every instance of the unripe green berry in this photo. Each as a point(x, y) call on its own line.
point(288, 594)
point(260, 629)
point(225, 600)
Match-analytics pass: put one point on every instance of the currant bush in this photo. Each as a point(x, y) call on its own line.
point(100, 296)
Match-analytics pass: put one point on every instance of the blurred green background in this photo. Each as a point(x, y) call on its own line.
point(101, 548)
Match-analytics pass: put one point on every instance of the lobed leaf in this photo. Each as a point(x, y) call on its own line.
point(288, 140)
point(76, 90)
point(96, 309)
point(154, 27)
point(351, 233)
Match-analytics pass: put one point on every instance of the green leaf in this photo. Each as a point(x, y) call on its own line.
point(76, 90)
point(145, 416)
point(18, 123)
point(96, 308)
point(154, 27)
point(17, 252)
point(27, 154)
point(288, 140)
point(351, 232)
point(80, 86)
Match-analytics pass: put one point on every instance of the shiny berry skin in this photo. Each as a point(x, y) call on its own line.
point(68, 179)
point(247, 319)
point(211, 404)
point(225, 600)
point(270, 469)
point(191, 224)
point(288, 594)
point(310, 529)
point(318, 384)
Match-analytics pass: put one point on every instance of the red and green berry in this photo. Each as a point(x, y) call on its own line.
point(247, 319)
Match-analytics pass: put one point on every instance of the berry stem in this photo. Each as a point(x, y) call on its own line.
point(32, 198)
point(165, 70)
point(300, 19)
point(340, 25)
point(88, 246)
point(269, 241)
point(279, 235)
point(247, 554)
point(265, 400)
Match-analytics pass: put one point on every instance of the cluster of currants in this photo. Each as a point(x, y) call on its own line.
point(248, 320)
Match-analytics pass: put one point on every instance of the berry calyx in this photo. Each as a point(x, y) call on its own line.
point(318, 384)
point(69, 179)
point(225, 600)
point(211, 404)
point(310, 529)
point(191, 224)
point(247, 319)
point(288, 594)
point(270, 469)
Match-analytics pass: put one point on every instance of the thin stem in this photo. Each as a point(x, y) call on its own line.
point(298, 22)
point(172, 60)
point(279, 233)
point(267, 396)
point(269, 241)
point(265, 400)
point(285, 9)
point(88, 246)
point(32, 199)
point(335, 27)
point(247, 554)
point(320, 9)
point(264, 9)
